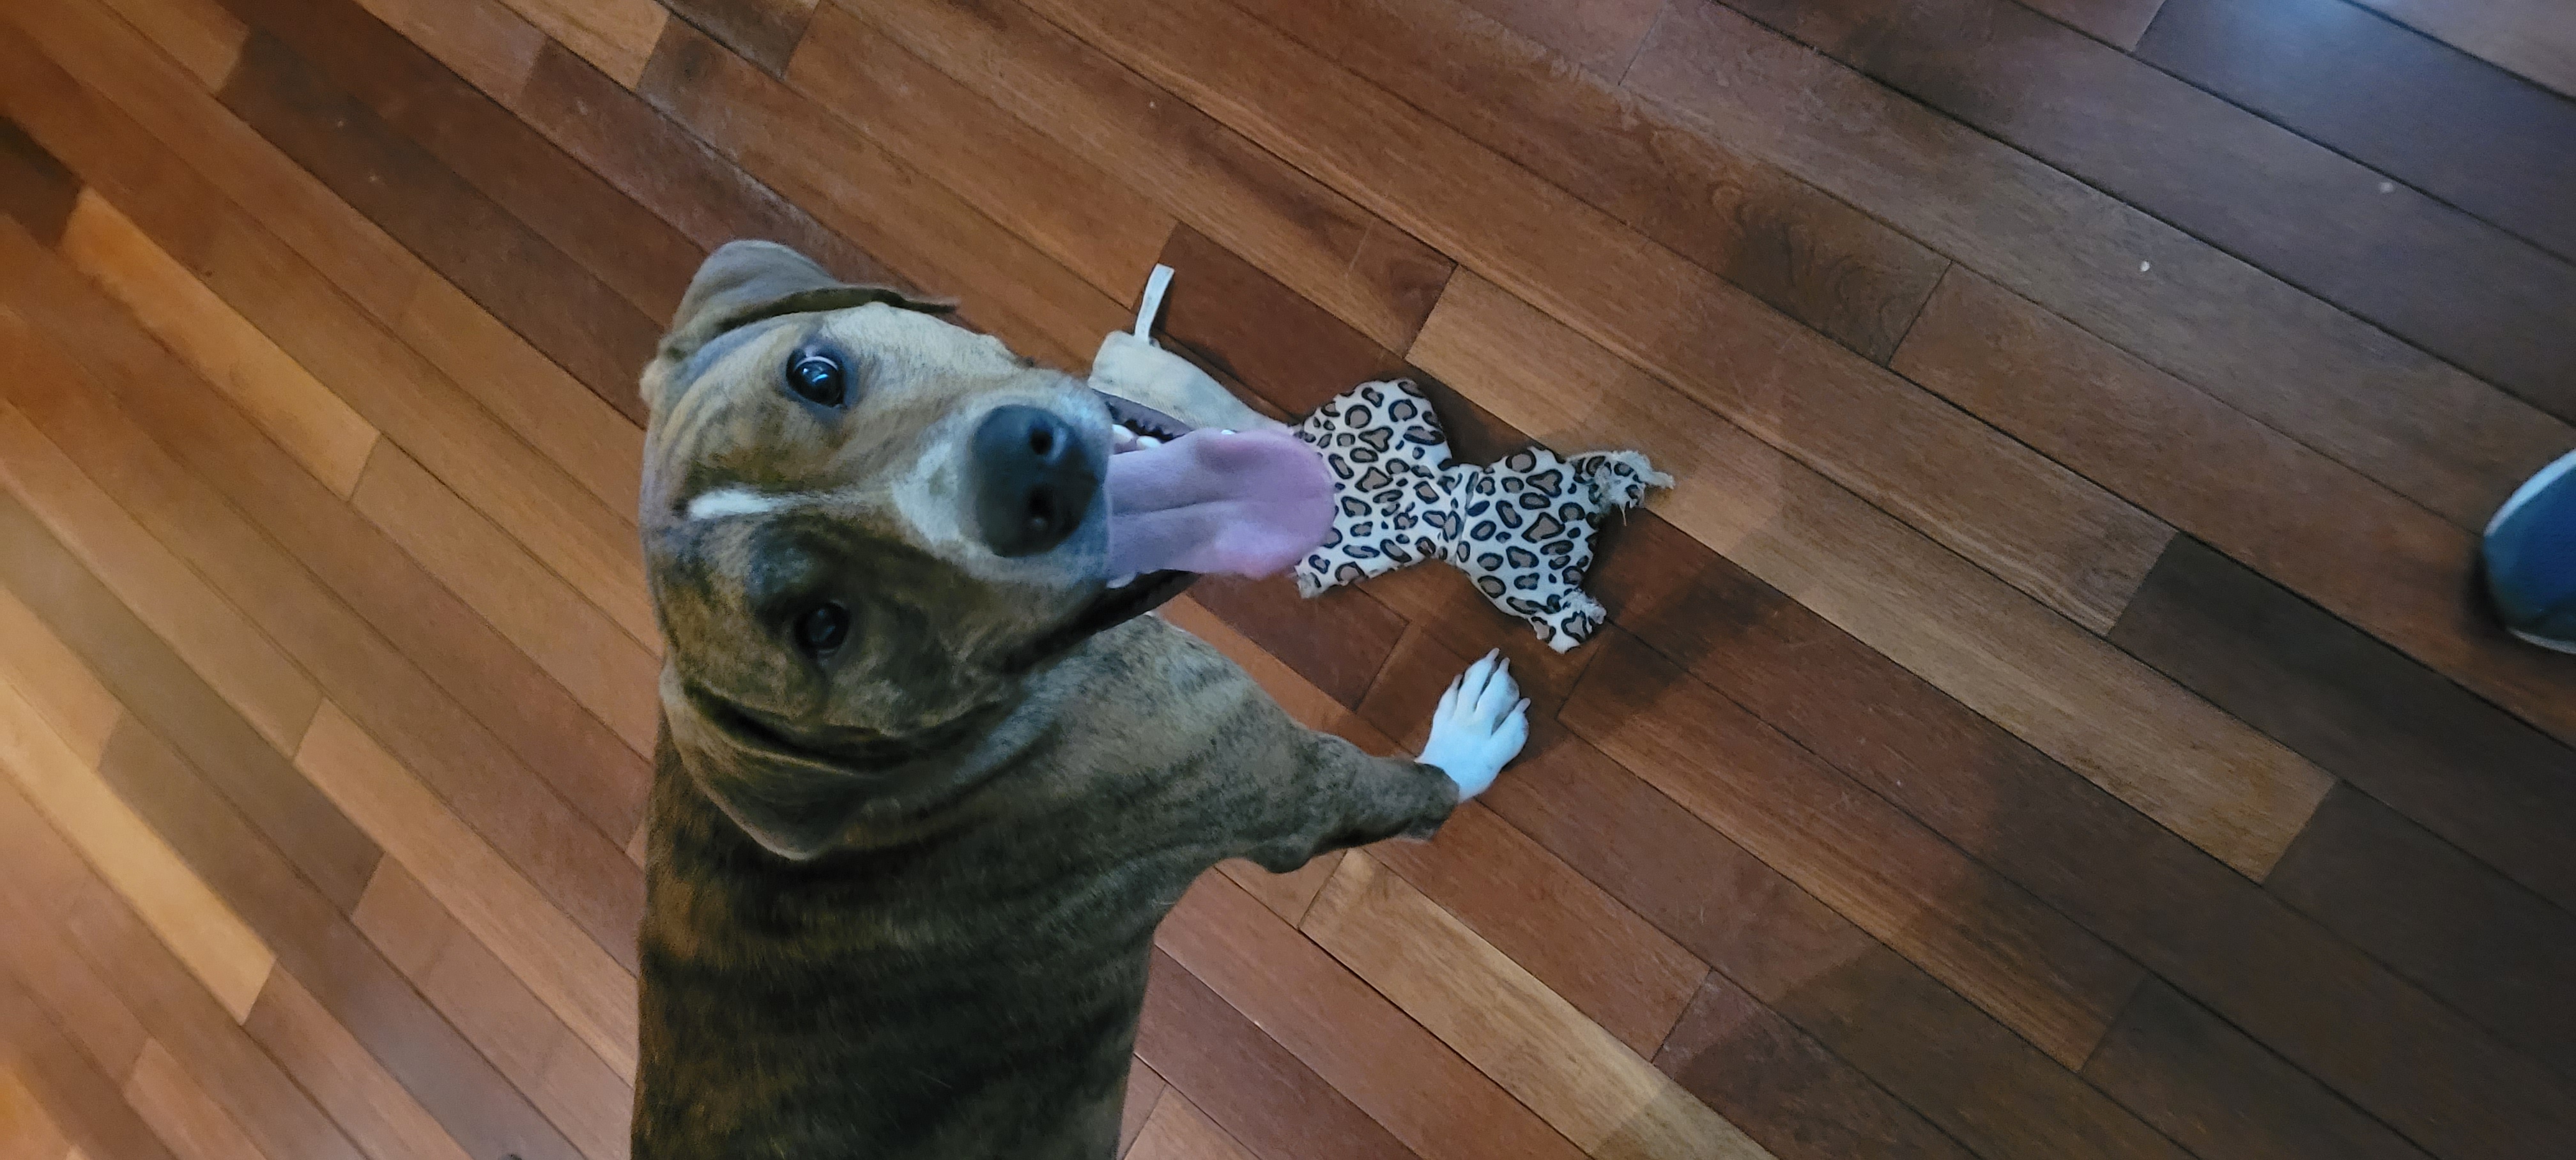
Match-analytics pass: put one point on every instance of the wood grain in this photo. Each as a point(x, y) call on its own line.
point(764, 32)
point(1566, 1068)
point(1144, 1090)
point(36, 904)
point(1255, 1090)
point(488, 44)
point(2118, 23)
point(182, 1113)
point(1751, 1066)
point(83, 1100)
point(2439, 119)
point(57, 685)
point(2530, 37)
point(1336, 253)
point(1179, 1131)
point(1600, 35)
point(2299, 364)
point(2383, 564)
point(581, 982)
point(34, 187)
point(199, 34)
point(602, 667)
point(1436, 1103)
point(368, 1104)
point(25, 1128)
point(302, 415)
point(1338, 640)
point(1921, 606)
point(1807, 255)
point(616, 35)
point(2220, 1094)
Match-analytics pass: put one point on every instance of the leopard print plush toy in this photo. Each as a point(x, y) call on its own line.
point(1521, 528)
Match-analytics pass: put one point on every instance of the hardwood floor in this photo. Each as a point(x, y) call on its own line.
point(2050, 716)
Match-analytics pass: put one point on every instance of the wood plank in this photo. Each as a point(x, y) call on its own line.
point(57, 685)
point(206, 633)
point(2463, 130)
point(1179, 1131)
point(312, 1046)
point(25, 1128)
point(1604, 1098)
point(2283, 978)
point(1436, 1103)
point(2299, 364)
point(82, 1099)
point(218, 948)
point(2366, 554)
point(1056, 198)
point(1144, 1090)
point(2473, 295)
point(764, 32)
point(352, 661)
point(79, 999)
point(2228, 789)
point(1243, 324)
point(577, 979)
point(930, 235)
point(2438, 917)
point(2220, 1094)
point(488, 44)
point(1755, 1068)
point(2455, 764)
point(1243, 1080)
point(2118, 23)
point(181, 1113)
point(636, 254)
point(199, 34)
point(497, 1013)
point(477, 1106)
point(1995, 501)
point(1338, 640)
point(1600, 35)
point(34, 187)
point(616, 35)
point(1366, 271)
point(302, 415)
point(1807, 255)
point(461, 232)
point(2529, 37)
point(603, 668)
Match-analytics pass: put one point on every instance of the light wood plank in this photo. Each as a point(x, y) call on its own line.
point(217, 946)
point(2206, 776)
point(302, 415)
point(233, 657)
point(578, 981)
point(62, 689)
point(200, 34)
point(343, 1078)
point(616, 35)
point(1178, 1130)
point(181, 1113)
point(26, 1131)
point(1581, 1078)
point(575, 643)
point(489, 45)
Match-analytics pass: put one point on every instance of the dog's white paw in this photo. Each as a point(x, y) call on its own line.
point(1479, 727)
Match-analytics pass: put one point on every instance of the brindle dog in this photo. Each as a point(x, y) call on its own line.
point(927, 784)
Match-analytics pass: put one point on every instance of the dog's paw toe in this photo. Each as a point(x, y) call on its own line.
point(1479, 727)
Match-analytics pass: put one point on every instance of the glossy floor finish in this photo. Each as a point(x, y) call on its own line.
point(2049, 718)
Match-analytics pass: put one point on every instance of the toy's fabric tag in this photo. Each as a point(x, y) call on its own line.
point(1521, 529)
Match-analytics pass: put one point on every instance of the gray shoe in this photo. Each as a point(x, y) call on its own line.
point(2530, 555)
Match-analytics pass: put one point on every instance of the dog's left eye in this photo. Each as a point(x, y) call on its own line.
point(817, 376)
point(822, 629)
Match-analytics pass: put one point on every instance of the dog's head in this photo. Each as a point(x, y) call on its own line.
point(863, 526)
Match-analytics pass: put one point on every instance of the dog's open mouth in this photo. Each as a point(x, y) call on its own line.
point(1241, 503)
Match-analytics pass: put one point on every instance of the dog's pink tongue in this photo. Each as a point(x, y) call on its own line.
point(1246, 504)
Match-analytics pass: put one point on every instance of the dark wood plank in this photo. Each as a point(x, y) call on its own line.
point(764, 32)
point(1983, 935)
point(2308, 369)
point(2457, 765)
point(1812, 257)
point(313, 939)
point(2389, 97)
point(623, 244)
point(35, 188)
point(2499, 953)
point(1338, 640)
point(1258, 1091)
point(159, 688)
point(1244, 325)
point(523, 279)
point(2219, 1093)
point(922, 230)
point(2183, 915)
point(2472, 294)
point(2533, 38)
point(1144, 1090)
point(130, 450)
point(82, 1100)
point(2326, 531)
point(87, 1007)
point(2118, 23)
point(1890, 1021)
point(1785, 1090)
point(1600, 35)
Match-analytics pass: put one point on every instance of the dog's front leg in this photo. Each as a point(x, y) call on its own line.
point(1324, 794)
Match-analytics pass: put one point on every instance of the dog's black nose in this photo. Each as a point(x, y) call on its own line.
point(1033, 480)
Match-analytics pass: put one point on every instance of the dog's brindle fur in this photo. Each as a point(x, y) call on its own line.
point(901, 897)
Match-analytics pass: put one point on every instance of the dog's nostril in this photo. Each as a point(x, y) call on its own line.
point(1042, 440)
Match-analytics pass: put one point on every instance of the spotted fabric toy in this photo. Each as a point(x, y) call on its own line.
point(1521, 528)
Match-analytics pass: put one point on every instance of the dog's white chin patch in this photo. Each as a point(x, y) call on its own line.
point(734, 501)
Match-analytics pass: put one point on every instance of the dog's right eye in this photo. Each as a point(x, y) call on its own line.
point(818, 377)
point(822, 629)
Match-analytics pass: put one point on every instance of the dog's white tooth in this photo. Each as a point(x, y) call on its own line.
point(1148, 441)
point(1123, 581)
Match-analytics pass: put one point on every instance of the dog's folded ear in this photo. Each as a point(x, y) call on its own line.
point(744, 282)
